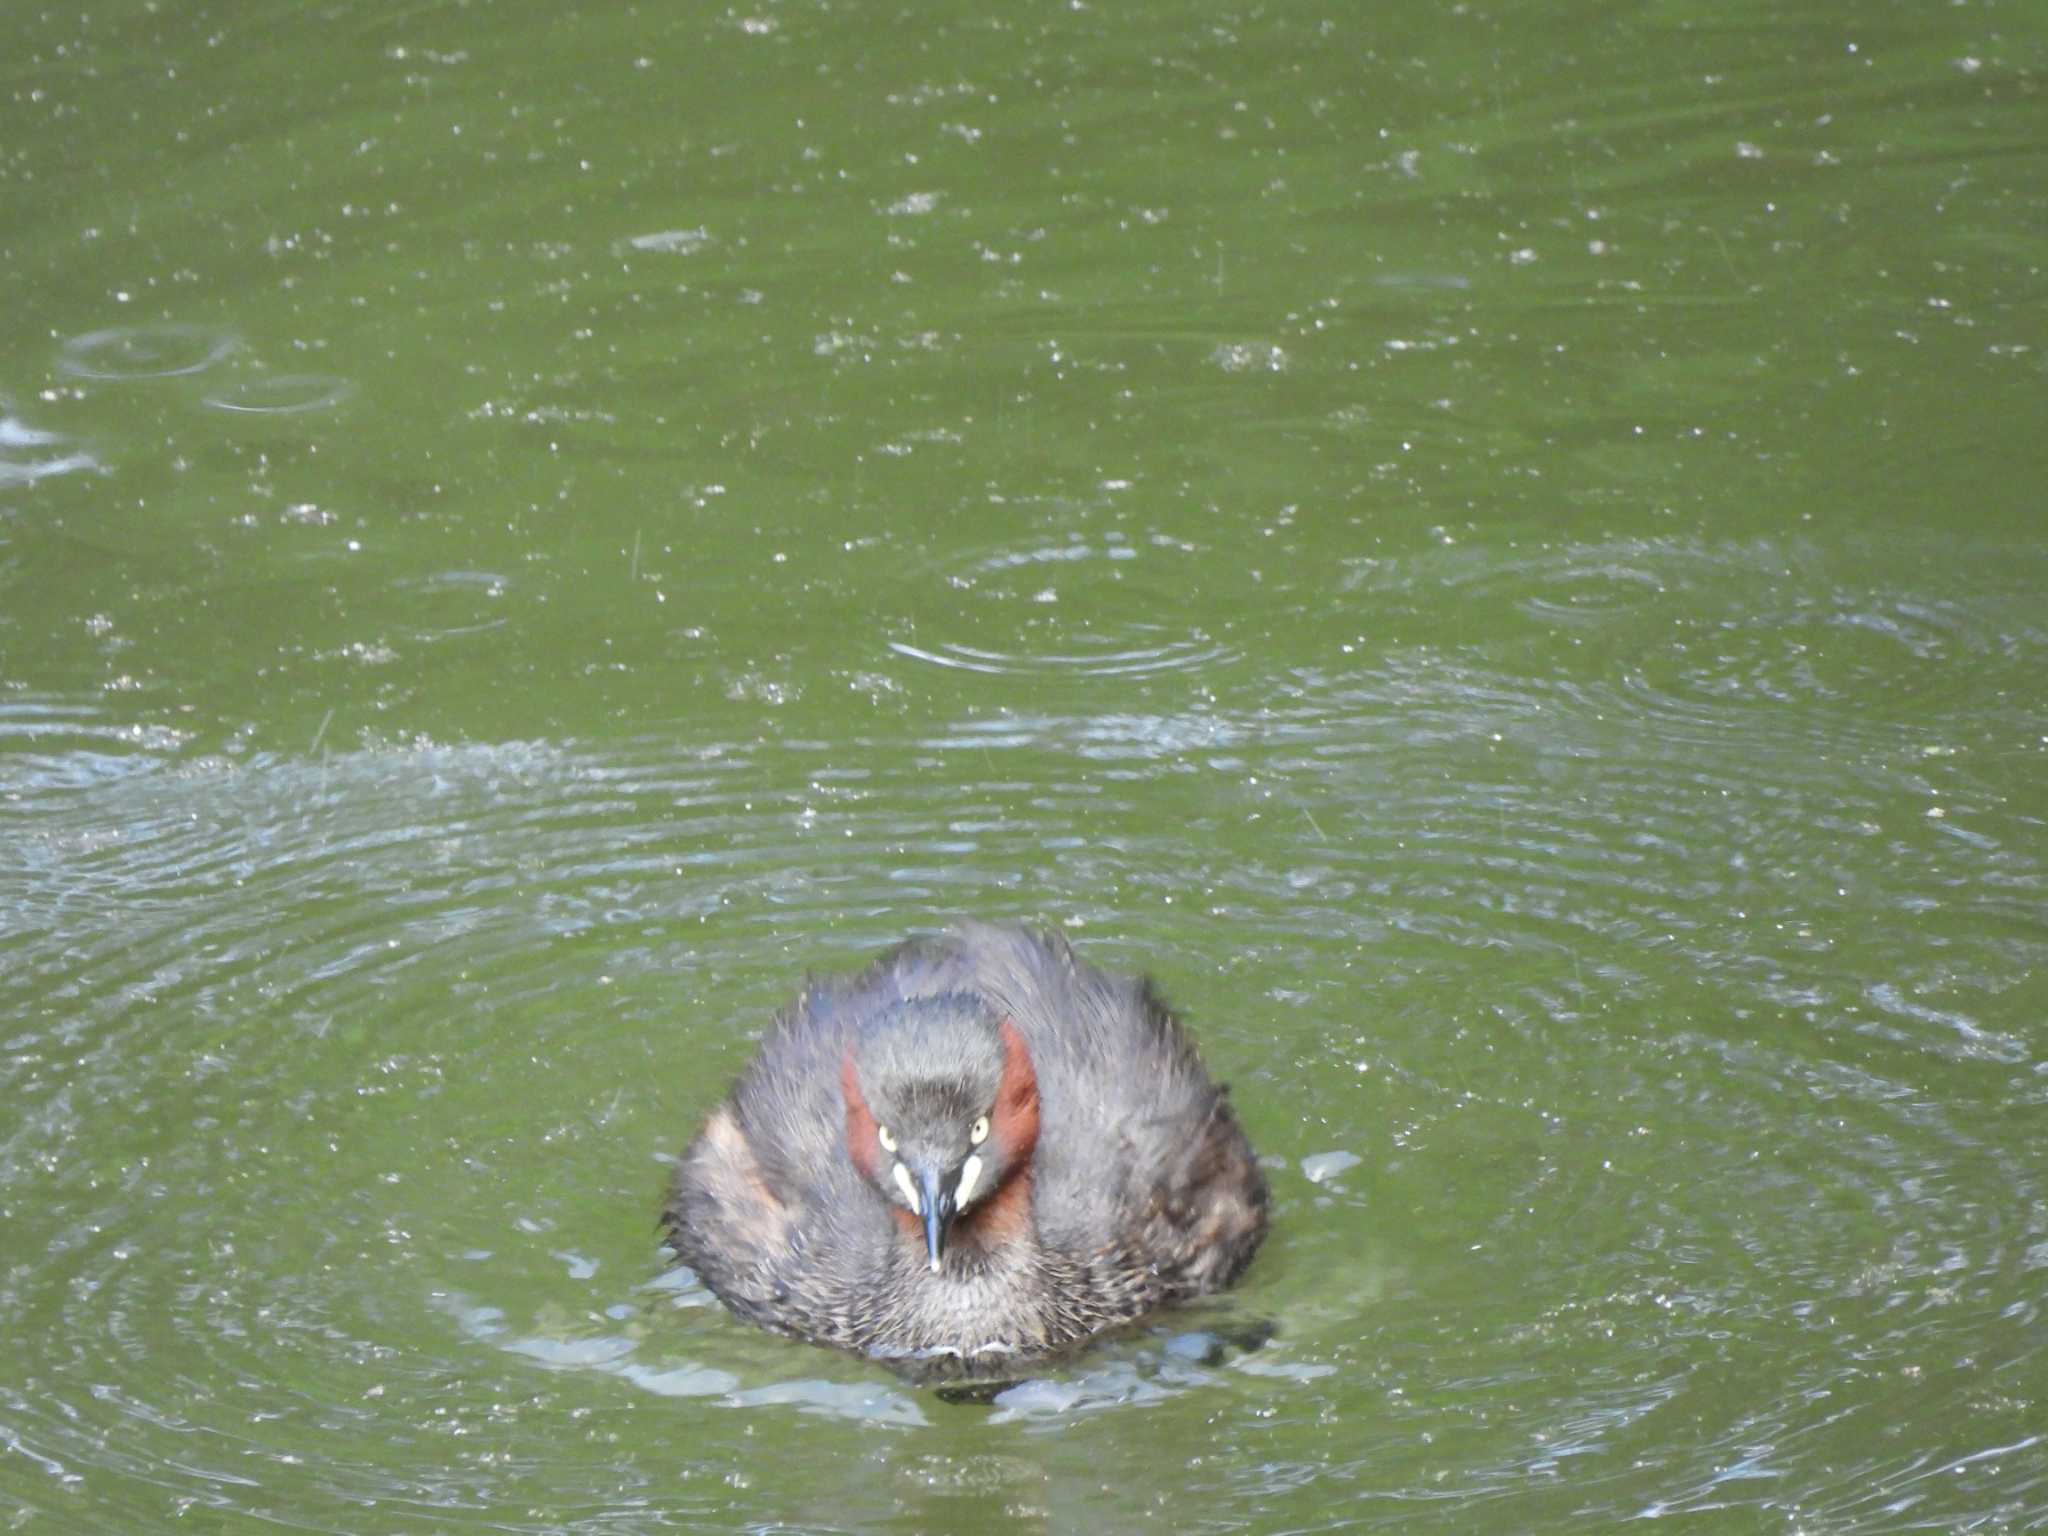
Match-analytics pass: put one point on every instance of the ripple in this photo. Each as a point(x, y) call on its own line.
point(282, 394)
point(224, 950)
point(471, 602)
point(1006, 609)
point(1708, 637)
point(306, 1054)
point(1113, 658)
point(740, 1367)
point(668, 242)
point(1007, 618)
point(1590, 591)
point(1037, 560)
point(153, 351)
point(19, 463)
point(16, 433)
point(1424, 281)
point(15, 472)
point(1842, 647)
point(1589, 580)
point(51, 743)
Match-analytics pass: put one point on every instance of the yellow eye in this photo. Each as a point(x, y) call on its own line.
point(978, 1132)
point(882, 1135)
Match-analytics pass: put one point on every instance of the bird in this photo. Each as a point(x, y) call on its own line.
point(977, 1153)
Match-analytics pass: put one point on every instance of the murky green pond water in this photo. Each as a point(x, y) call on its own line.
point(1498, 551)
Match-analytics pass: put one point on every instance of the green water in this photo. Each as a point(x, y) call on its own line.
point(1496, 551)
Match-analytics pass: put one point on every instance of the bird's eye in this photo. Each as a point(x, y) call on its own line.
point(978, 1132)
point(882, 1135)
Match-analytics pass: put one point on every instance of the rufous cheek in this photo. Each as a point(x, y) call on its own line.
point(1014, 1124)
point(861, 1143)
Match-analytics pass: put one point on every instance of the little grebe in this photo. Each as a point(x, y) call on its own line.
point(976, 1152)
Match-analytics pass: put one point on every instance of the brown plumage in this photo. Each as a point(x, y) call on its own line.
point(975, 1153)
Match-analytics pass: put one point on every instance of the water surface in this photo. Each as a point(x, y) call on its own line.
point(1496, 554)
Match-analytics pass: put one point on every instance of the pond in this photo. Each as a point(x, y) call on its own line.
point(1496, 553)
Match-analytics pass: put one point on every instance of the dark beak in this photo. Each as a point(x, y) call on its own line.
point(937, 1192)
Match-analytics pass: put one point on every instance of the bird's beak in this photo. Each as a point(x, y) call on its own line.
point(938, 1212)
